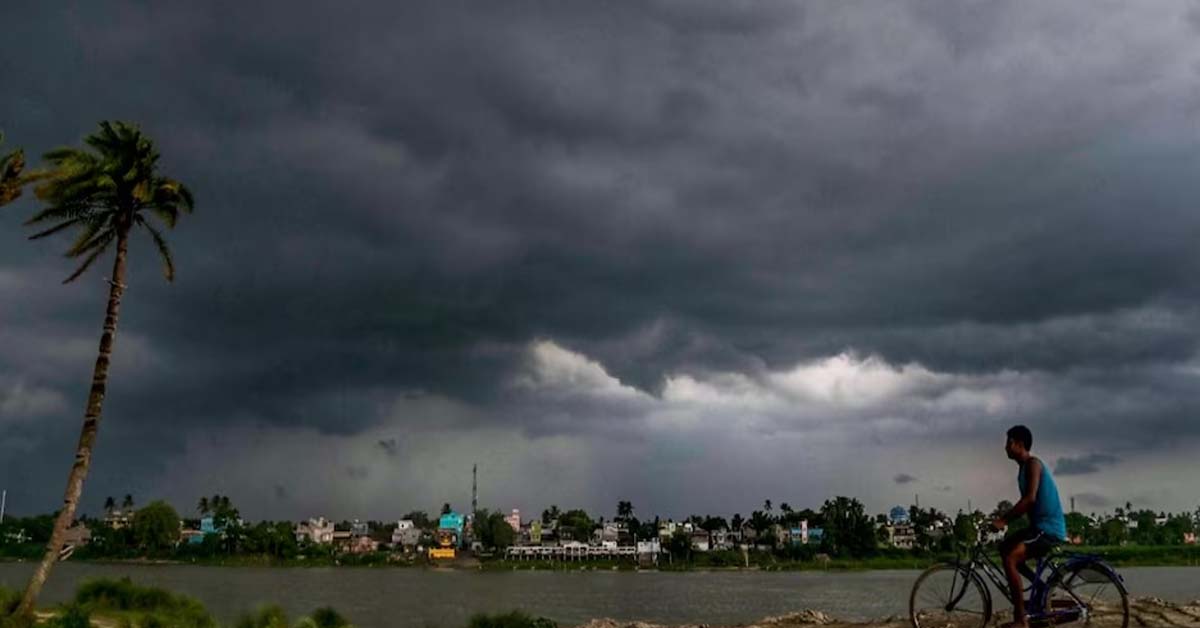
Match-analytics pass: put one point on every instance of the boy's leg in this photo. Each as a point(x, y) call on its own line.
point(1014, 556)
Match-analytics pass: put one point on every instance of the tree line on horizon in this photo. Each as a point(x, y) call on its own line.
point(154, 530)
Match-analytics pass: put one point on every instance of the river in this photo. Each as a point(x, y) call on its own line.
point(423, 598)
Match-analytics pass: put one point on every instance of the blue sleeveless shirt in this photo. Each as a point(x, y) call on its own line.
point(1047, 513)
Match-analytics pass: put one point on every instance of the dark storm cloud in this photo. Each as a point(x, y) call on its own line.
point(1083, 465)
point(1092, 500)
point(396, 199)
point(903, 478)
point(389, 447)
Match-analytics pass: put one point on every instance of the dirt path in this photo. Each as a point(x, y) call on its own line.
point(1145, 612)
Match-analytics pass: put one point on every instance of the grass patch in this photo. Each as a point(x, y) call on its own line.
point(512, 619)
point(129, 605)
point(141, 607)
point(274, 617)
point(71, 616)
point(8, 601)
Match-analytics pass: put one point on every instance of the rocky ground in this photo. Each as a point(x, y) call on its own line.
point(1145, 612)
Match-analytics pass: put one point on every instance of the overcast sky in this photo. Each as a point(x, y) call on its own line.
point(692, 254)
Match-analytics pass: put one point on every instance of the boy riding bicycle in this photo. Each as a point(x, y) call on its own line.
point(1047, 525)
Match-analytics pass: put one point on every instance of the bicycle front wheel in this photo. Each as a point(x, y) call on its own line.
point(948, 596)
point(1093, 589)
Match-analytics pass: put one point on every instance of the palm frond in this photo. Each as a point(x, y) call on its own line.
point(99, 250)
point(95, 232)
point(170, 198)
point(168, 214)
point(11, 166)
point(60, 212)
point(163, 250)
point(55, 229)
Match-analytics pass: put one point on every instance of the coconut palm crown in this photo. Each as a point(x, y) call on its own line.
point(11, 166)
point(104, 194)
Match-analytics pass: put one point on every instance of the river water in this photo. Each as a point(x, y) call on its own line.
point(424, 598)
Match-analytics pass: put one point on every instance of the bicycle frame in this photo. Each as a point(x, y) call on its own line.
point(1049, 573)
point(981, 561)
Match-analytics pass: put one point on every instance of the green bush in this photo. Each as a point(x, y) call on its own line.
point(8, 601)
point(514, 619)
point(15, 622)
point(142, 607)
point(266, 617)
point(72, 616)
point(326, 617)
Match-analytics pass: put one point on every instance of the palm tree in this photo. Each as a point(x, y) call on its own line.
point(127, 503)
point(109, 504)
point(11, 181)
point(102, 194)
point(203, 506)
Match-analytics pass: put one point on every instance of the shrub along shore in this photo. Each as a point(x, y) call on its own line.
point(109, 603)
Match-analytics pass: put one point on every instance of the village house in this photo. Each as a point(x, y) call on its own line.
point(547, 533)
point(343, 540)
point(721, 539)
point(901, 535)
point(117, 519)
point(606, 535)
point(406, 535)
point(748, 534)
point(361, 545)
point(77, 535)
point(317, 531)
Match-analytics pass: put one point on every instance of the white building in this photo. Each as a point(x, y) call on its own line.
point(649, 547)
point(406, 534)
point(514, 520)
point(318, 531)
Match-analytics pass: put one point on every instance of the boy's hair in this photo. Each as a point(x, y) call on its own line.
point(1022, 435)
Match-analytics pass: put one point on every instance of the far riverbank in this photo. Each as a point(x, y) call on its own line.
point(446, 598)
point(1119, 556)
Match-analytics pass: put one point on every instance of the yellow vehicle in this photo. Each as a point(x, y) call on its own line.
point(446, 540)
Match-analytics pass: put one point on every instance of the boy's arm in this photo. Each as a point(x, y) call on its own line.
point(1033, 479)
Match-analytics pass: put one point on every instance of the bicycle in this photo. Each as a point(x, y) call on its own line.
point(1075, 587)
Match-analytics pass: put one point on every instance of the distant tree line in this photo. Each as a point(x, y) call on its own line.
point(847, 530)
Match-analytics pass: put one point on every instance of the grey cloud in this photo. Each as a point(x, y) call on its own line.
point(1083, 465)
point(903, 478)
point(1092, 500)
point(629, 182)
point(389, 446)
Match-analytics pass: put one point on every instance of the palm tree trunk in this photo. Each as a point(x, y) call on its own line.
point(87, 436)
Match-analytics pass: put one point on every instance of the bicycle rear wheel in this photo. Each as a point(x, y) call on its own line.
point(1096, 590)
point(948, 596)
